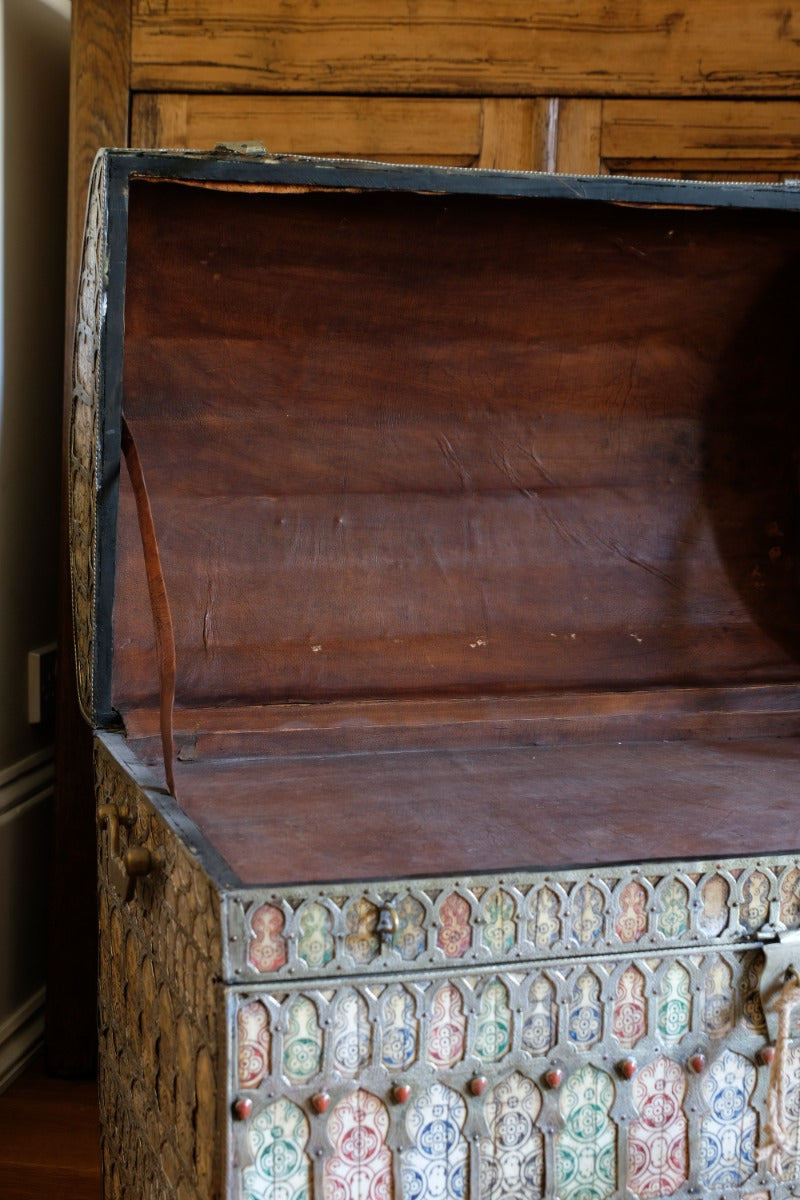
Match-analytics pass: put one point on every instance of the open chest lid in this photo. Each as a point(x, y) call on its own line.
point(440, 460)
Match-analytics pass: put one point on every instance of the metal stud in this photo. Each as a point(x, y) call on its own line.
point(320, 1102)
point(478, 1084)
point(242, 1107)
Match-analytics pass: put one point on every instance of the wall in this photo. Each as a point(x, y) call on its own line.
point(34, 60)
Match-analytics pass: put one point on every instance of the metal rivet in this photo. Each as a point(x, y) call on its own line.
point(627, 1067)
point(242, 1107)
point(553, 1077)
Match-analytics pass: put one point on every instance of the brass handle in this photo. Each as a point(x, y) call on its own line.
point(123, 869)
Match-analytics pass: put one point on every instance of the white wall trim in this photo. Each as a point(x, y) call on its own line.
point(25, 780)
point(20, 1037)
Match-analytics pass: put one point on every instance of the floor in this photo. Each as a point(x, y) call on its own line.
point(49, 1138)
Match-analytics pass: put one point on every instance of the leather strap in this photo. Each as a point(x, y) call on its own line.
point(159, 604)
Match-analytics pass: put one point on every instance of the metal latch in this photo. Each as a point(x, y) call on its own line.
point(781, 963)
point(252, 149)
point(123, 869)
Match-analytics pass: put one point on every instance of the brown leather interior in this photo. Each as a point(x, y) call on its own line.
point(408, 450)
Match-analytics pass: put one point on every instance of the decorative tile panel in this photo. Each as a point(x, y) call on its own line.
point(362, 942)
point(252, 1026)
point(585, 1013)
point(352, 1034)
point(729, 1132)
point(754, 903)
point(674, 1013)
point(455, 932)
point(718, 1004)
point(525, 918)
point(540, 1028)
point(512, 1157)
point(360, 1167)
point(400, 1026)
point(302, 1041)
point(631, 922)
point(315, 944)
point(714, 912)
point(790, 898)
point(673, 919)
point(278, 1137)
point(448, 1028)
point(500, 925)
point(587, 907)
point(544, 926)
point(658, 1151)
point(409, 940)
point(586, 1148)
point(493, 1038)
point(630, 1008)
point(267, 945)
point(435, 1167)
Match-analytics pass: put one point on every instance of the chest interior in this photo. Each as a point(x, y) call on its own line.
point(478, 520)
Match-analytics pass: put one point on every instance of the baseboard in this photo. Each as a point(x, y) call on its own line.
point(21, 1036)
point(26, 790)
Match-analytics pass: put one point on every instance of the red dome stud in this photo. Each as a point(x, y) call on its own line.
point(320, 1102)
point(554, 1077)
point(628, 1068)
point(242, 1107)
point(401, 1093)
point(478, 1085)
point(767, 1055)
point(697, 1063)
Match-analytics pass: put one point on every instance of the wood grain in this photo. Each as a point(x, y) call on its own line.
point(703, 139)
point(435, 47)
point(458, 132)
point(415, 446)
point(352, 816)
point(49, 1138)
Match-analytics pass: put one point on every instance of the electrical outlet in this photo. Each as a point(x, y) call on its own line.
point(42, 667)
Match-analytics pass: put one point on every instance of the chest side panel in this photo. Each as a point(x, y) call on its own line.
point(161, 1062)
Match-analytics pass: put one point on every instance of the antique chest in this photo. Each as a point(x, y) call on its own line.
point(441, 638)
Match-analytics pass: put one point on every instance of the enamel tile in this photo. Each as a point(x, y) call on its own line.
point(512, 1157)
point(657, 1139)
point(585, 1012)
point(674, 1012)
point(493, 1037)
point(587, 906)
point(500, 924)
point(399, 1046)
point(252, 1026)
point(729, 1131)
point(352, 1034)
point(631, 922)
point(435, 1166)
point(409, 940)
point(277, 1138)
point(544, 926)
point(455, 933)
point(673, 919)
point(714, 906)
point(718, 1004)
point(362, 942)
point(360, 1167)
point(540, 1028)
point(302, 1041)
point(315, 944)
point(586, 1148)
point(630, 1008)
point(267, 950)
point(447, 1028)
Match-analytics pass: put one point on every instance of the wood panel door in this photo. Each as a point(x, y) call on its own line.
point(696, 139)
